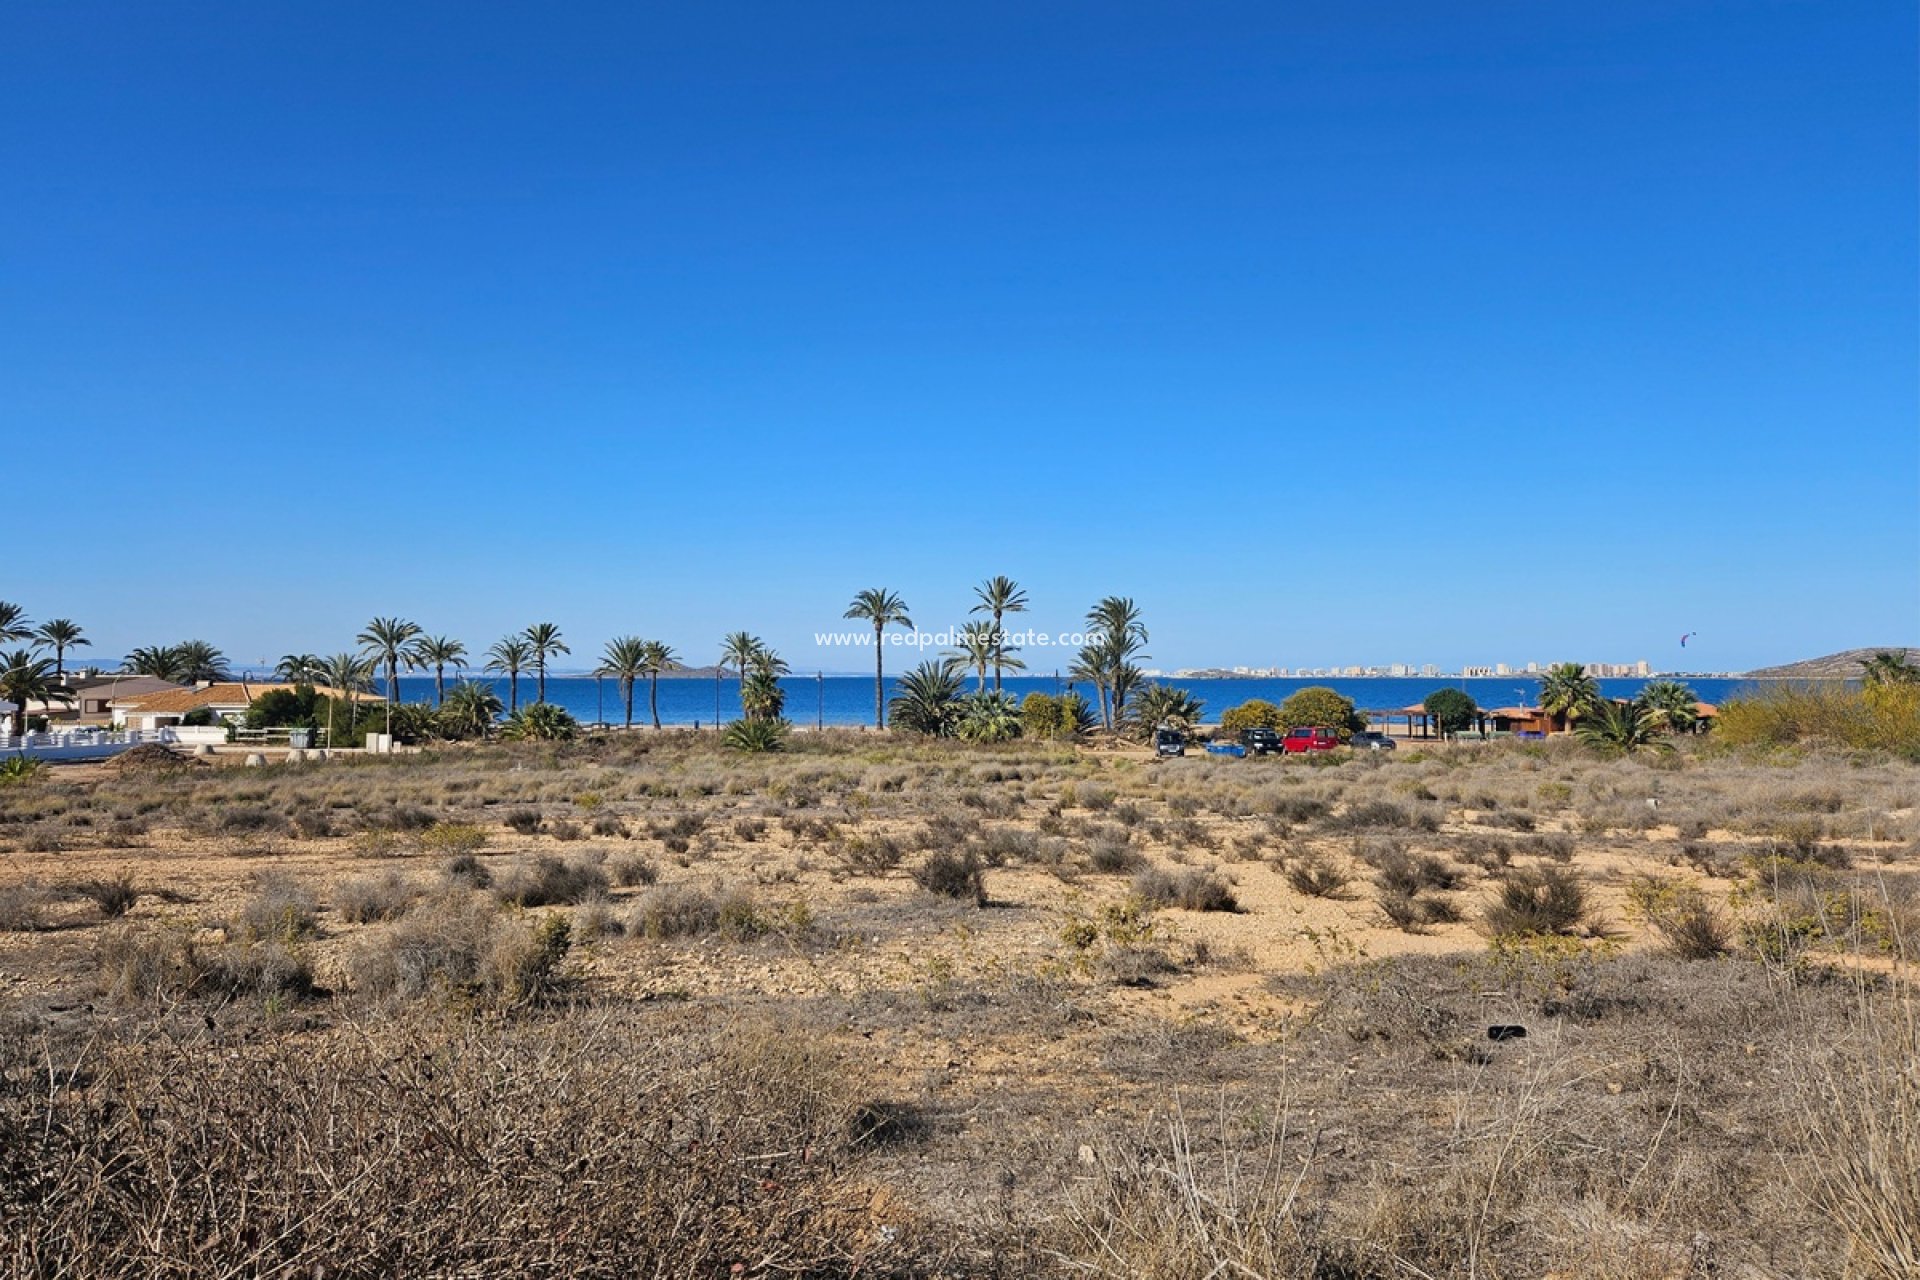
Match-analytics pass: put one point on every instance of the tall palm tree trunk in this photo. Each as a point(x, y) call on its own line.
point(439, 684)
point(879, 683)
point(541, 671)
point(626, 689)
point(653, 697)
point(513, 692)
point(998, 643)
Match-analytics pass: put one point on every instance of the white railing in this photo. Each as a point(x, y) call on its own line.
point(84, 744)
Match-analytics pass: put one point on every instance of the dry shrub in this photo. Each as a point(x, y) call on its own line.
point(953, 875)
point(524, 821)
point(1164, 1206)
point(1317, 875)
point(1687, 923)
point(1189, 890)
point(465, 869)
point(461, 945)
point(1862, 1116)
point(370, 898)
point(869, 855)
point(134, 964)
point(686, 911)
point(1114, 857)
point(1536, 900)
point(591, 1146)
point(631, 869)
point(23, 906)
point(454, 838)
point(545, 880)
point(281, 909)
point(1382, 815)
point(114, 897)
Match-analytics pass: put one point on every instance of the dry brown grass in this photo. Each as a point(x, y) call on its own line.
point(1067, 1082)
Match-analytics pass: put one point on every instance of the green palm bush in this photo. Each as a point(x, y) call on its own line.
point(1567, 692)
point(756, 736)
point(988, 717)
point(470, 710)
point(1622, 728)
point(1165, 704)
point(24, 678)
point(1672, 705)
point(926, 700)
point(541, 722)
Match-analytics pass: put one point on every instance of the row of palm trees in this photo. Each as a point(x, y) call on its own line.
point(1117, 638)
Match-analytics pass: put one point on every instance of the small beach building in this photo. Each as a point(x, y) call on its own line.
point(226, 699)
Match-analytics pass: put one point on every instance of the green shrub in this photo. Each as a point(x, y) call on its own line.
point(1318, 705)
point(1257, 713)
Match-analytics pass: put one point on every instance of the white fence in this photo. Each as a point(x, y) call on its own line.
point(98, 744)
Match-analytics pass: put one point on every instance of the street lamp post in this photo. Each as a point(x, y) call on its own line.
point(820, 682)
point(717, 672)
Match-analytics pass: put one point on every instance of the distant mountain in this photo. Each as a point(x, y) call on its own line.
point(1835, 666)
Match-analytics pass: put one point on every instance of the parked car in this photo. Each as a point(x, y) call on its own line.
point(1169, 742)
point(1316, 738)
point(1225, 749)
point(1371, 741)
point(1261, 742)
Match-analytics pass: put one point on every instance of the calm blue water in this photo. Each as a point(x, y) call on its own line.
point(848, 700)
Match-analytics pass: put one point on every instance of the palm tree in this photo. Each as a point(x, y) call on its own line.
point(1567, 692)
point(761, 697)
point(926, 699)
point(1671, 703)
point(470, 710)
point(161, 661)
point(1000, 596)
point(346, 674)
point(296, 668)
point(1118, 635)
point(1621, 728)
point(543, 639)
point(1890, 666)
point(387, 639)
point(25, 678)
point(13, 623)
point(625, 659)
point(975, 652)
point(739, 651)
point(1165, 704)
point(1090, 665)
point(439, 652)
point(510, 656)
point(198, 661)
point(63, 634)
point(659, 657)
point(883, 609)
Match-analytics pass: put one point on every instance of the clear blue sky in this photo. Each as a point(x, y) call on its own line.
point(1331, 333)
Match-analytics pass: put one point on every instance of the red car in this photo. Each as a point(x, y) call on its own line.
point(1314, 739)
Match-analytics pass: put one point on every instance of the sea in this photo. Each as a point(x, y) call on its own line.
point(825, 700)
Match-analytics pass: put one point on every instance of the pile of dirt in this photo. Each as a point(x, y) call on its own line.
point(149, 757)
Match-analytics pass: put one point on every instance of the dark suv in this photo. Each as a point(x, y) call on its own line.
point(1262, 742)
point(1169, 742)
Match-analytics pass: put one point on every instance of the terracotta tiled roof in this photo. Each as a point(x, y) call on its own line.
point(233, 693)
